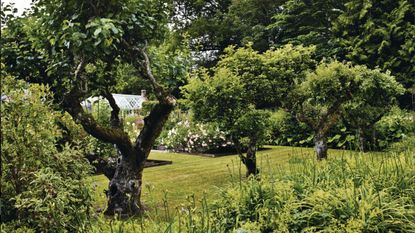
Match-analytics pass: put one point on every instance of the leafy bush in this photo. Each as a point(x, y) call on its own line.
point(390, 129)
point(393, 127)
point(351, 194)
point(406, 145)
point(322, 199)
point(182, 134)
point(44, 184)
point(287, 131)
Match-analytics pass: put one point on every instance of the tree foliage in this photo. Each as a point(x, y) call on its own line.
point(380, 34)
point(268, 77)
point(308, 23)
point(322, 98)
point(215, 25)
point(245, 83)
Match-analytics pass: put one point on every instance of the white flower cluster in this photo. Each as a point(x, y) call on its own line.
point(195, 138)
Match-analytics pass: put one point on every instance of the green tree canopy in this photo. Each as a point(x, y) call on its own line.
point(245, 83)
point(214, 25)
point(321, 99)
point(308, 23)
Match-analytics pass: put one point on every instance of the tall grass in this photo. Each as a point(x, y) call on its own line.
point(350, 193)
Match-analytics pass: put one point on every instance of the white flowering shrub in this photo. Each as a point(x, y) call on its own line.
point(133, 125)
point(187, 136)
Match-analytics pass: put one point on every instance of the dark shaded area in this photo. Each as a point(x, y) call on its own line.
point(107, 166)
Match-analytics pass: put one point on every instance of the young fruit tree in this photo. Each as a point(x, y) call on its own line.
point(76, 47)
point(377, 95)
point(322, 98)
point(244, 85)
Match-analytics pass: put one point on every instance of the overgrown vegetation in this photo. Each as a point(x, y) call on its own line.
point(44, 183)
point(352, 192)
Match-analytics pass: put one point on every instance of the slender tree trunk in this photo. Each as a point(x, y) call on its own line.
point(320, 142)
point(375, 144)
point(250, 162)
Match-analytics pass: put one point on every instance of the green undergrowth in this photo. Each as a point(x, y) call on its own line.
point(350, 192)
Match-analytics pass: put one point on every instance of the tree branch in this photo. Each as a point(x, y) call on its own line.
point(154, 122)
point(158, 89)
point(239, 151)
point(147, 73)
point(153, 125)
point(330, 117)
point(72, 104)
point(110, 135)
point(78, 69)
point(115, 119)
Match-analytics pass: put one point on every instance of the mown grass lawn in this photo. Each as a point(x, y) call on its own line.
point(191, 174)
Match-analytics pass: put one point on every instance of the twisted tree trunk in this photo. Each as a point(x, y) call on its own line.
point(250, 162)
point(320, 145)
point(124, 189)
point(124, 192)
point(250, 159)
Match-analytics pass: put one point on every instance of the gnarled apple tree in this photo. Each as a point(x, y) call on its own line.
point(75, 47)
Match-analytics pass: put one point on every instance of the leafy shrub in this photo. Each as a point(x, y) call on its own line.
point(406, 145)
point(393, 127)
point(182, 134)
point(353, 194)
point(287, 131)
point(44, 184)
